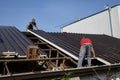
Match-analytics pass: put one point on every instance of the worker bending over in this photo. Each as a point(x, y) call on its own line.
point(85, 50)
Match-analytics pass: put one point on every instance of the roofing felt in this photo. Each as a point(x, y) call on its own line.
point(12, 40)
point(106, 47)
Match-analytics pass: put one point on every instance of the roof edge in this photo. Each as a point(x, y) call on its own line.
point(103, 61)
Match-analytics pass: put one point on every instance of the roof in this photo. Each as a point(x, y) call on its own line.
point(106, 47)
point(12, 40)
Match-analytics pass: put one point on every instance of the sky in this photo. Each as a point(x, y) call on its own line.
point(50, 15)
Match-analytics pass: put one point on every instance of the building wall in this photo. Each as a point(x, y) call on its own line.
point(116, 21)
point(98, 23)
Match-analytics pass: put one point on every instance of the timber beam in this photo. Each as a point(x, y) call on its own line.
point(26, 60)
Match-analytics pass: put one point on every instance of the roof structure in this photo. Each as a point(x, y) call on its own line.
point(106, 47)
point(12, 40)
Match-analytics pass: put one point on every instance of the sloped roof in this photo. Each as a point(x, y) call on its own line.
point(106, 47)
point(11, 39)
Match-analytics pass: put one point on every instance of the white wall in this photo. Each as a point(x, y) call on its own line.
point(115, 15)
point(97, 24)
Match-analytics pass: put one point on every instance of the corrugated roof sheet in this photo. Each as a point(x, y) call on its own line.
point(11, 39)
point(106, 47)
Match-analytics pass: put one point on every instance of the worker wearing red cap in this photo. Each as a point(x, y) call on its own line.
point(85, 50)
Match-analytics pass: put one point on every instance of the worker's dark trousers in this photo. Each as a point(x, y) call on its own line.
point(85, 49)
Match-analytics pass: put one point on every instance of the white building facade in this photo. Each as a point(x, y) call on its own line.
point(104, 22)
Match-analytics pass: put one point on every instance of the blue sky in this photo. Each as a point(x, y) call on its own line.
point(50, 15)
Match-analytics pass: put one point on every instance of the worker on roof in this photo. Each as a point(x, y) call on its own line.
point(85, 50)
point(31, 24)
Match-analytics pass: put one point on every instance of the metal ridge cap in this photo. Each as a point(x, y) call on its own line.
point(61, 49)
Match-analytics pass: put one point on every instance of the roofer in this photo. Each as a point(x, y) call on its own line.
point(85, 50)
point(31, 24)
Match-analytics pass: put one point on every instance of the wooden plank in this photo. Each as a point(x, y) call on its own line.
point(25, 60)
point(57, 59)
point(7, 54)
point(50, 53)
